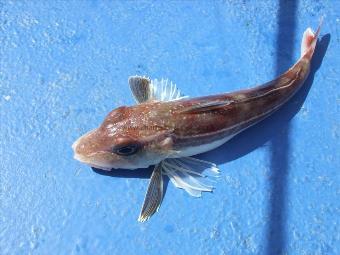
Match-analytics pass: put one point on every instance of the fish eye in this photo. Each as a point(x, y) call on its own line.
point(126, 150)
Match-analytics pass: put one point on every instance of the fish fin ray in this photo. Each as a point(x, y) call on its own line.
point(208, 106)
point(154, 194)
point(140, 88)
point(143, 89)
point(309, 40)
point(193, 175)
point(165, 90)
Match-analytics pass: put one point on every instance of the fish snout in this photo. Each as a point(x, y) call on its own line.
point(77, 149)
point(83, 144)
point(83, 147)
point(74, 145)
point(85, 152)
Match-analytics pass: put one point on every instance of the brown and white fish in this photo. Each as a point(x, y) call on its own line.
point(166, 129)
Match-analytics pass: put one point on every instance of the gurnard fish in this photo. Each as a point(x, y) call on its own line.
point(165, 129)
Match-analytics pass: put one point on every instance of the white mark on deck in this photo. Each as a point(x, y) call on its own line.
point(7, 98)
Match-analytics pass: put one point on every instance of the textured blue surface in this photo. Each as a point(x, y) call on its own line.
point(64, 66)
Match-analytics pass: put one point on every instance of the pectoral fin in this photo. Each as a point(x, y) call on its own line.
point(143, 89)
point(191, 174)
point(154, 194)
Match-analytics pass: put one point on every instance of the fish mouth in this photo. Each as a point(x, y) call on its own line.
point(91, 163)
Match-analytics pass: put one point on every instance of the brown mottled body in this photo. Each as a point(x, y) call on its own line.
point(246, 108)
point(164, 129)
point(190, 127)
point(187, 126)
point(163, 123)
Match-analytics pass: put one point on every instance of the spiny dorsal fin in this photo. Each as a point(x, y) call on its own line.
point(165, 90)
point(143, 89)
point(140, 88)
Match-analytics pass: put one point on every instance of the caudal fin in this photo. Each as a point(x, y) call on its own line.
point(309, 40)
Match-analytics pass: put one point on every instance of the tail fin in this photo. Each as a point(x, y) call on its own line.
point(309, 40)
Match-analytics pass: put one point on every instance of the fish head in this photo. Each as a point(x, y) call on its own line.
point(124, 141)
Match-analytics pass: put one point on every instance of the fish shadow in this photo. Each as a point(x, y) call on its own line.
point(259, 134)
point(140, 173)
point(252, 138)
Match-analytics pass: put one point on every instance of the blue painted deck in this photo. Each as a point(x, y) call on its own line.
point(64, 66)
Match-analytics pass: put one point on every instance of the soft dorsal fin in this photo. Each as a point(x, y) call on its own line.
point(208, 106)
point(143, 89)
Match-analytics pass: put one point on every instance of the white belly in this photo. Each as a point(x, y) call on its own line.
point(193, 150)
